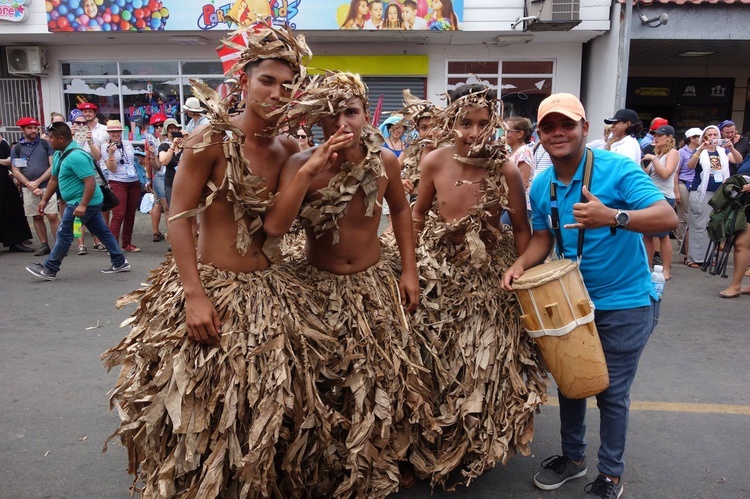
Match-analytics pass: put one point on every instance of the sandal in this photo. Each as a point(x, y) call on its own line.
point(82, 250)
point(158, 236)
point(693, 265)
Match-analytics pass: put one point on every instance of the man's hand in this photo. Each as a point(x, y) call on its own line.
point(202, 320)
point(408, 186)
point(41, 206)
point(33, 185)
point(409, 288)
point(514, 272)
point(592, 214)
point(325, 155)
point(80, 210)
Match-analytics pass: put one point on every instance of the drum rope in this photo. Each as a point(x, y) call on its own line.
point(561, 331)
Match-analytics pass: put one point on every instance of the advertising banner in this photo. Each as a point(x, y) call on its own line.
point(200, 15)
point(14, 10)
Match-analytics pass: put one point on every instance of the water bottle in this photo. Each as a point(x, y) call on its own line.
point(657, 281)
point(77, 227)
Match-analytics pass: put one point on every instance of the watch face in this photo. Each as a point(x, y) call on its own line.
point(622, 218)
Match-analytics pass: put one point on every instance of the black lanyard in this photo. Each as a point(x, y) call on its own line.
point(20, 149)
point(588, 171)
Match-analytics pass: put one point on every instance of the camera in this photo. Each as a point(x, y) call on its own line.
point(719, 142)
point(176, 135)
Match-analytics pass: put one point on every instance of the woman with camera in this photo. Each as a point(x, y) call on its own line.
point(711, 164)
point(169, 154)
point(119, 157)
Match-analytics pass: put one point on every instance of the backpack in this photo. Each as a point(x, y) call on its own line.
point(729, 204)
point(17, 148)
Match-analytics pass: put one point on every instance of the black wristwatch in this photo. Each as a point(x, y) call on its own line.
point(622, 218)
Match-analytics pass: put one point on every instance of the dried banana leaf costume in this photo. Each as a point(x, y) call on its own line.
point(414, 110)
point(244, 418)
point(376, 381)
point(487, 382)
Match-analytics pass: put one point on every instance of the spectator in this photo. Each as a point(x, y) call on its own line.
point(99, 133)
point(741, 255)
point(684, 179)
point(14, 228)
point(170, 151)
point(54, 116)
point(518, 137)
point(711, 165)
point(155, 172)
point(119, 156)
point(31, 161)
point(661, 168)
point(195, 112)
point(73, 172)
point(647, 140)
point(304, 139)
point(626, 126)
point(741, 144)
point(393, 132)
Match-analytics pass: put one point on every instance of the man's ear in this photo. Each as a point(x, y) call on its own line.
point(585, 128)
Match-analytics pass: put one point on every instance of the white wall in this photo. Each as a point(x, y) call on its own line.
point(601, 78)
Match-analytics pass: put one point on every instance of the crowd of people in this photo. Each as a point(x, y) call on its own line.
point(285, 348)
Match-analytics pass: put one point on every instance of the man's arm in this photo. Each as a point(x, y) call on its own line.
point(402, 230)
point(539, 247)
point(89, 184)
point(295, 180)
point(192, 176)
point(51, 190)
point(656, 218)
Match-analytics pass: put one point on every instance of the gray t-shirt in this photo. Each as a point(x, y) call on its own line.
point(32, 159)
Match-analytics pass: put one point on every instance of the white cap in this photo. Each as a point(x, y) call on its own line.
point(693, 132)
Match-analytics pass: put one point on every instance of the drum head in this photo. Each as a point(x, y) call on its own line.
point(536, 276)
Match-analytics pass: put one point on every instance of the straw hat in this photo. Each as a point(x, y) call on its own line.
point(114, 126)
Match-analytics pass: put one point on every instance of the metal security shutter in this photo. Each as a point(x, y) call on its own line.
point(391, 90)
point(20, 98)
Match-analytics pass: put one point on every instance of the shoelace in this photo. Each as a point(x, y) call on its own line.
point(602, 487)
point(555, 463)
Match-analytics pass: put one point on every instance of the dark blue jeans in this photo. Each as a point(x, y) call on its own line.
point(94, 222)
point(624, 334)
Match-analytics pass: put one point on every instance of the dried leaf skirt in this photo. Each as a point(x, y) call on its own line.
point(375, 384)
point(242, 419)
point(485, 373)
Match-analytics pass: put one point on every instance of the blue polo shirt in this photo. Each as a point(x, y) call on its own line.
point(615, 268)
point(76, 166)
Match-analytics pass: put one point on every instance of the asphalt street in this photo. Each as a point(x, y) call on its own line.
point(689, 425)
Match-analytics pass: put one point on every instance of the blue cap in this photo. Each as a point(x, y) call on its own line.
point(726, 123)
point(75, 113)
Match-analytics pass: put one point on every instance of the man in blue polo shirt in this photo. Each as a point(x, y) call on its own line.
point(623, 204)
point(73, 172)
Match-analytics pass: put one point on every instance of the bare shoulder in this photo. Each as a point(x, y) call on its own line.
point(510, 169)
point(390, 161)
point(290, 145)
point(436, 159)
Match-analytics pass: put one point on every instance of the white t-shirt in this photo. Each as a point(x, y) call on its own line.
point(419, 23)
point(628, 147)
point(370, 25)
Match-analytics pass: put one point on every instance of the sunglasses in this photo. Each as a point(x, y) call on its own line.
point(159, 125)
point(301, 136)
point(80, 123)
point(53, 127)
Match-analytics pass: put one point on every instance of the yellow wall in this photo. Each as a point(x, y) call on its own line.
point(372, 65)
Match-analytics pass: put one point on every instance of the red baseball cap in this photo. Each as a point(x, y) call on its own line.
point(158, 118)
point(656, 123)
point(87, 105)
point(27, 121)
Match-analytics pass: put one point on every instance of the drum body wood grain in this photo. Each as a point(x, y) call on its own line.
point(558, 314)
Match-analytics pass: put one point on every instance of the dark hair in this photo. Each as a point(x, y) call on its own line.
point(250, 66)
point(448, 13)
point(60, 128)
point(353, 8)
point(399, 18)
point(469, 89)
point(410, 3)
point(636, 129)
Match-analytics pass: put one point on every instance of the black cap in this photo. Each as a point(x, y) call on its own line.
point(665, 130)
point(624, 115)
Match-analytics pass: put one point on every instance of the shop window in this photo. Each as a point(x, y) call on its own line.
point(522, 85)
point(133, 91)
point(147, 68)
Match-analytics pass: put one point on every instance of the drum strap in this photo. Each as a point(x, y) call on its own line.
point(588, 171)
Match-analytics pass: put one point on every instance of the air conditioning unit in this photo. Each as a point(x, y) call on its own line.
point(26, 60)
point(552, 15)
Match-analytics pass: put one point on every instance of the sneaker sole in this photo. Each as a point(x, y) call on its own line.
point(558, 485)
point(115, 271)
point(42, 276)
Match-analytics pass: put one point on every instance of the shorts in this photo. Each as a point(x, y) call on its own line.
point(31, 203)
point(158, 184)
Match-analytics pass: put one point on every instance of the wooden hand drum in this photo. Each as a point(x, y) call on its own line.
point(559, 315)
